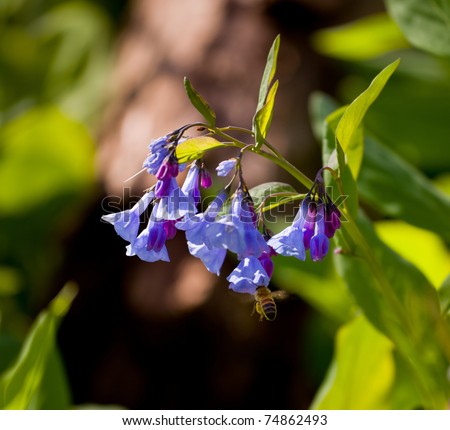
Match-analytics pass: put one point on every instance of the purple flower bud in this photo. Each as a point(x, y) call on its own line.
point(169, 228)
point(205, 178)
point(163, 187)
point(332, 221)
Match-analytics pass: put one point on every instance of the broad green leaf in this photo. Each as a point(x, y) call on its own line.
point(333, 156)
point(270, 191)
point(403, 393)
point(23, 386)
point(395, 188)
point(363, 39)
point(263, 117)
point(425, 23)
point(320, 106)
point(444, 296)
point(362, 370)
point(269, 73)
point(9, 350)
point(411, 117)
point(44, 154)
point(398, 300)
point(431, 257)
point(353, 116)
point(200, 103)
point(196, 147)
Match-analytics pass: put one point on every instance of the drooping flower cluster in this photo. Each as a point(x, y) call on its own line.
point(233, 227)
point(316, 222)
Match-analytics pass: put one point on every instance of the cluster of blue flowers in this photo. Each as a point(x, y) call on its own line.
point(210, 234)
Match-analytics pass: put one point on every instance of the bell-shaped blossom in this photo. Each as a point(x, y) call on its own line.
point(319, 242)
point(175, 203)
point(211, 258)
point(150, 245)
point(191, 183)
point(289, 242)
point(226, 166)
point(159, 151)
point(316, 222)
point(237, 231)
point(248, 276)
point(196, 227)
point(126, 223)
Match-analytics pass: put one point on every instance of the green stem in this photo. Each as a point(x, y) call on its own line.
point(290, 168)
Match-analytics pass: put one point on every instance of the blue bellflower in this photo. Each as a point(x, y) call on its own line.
point(237, 231)
point(248, 276)
point(226, 166)
point(126, 223)
point(197, 238)
point(316, 222)
point(150, 245)
point(159, 150)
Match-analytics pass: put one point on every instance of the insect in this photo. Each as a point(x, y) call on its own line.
point(265, 303)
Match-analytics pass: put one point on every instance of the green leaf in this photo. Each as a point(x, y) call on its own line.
point(444, 296)
point(200, 103)
point(23, 385)
point(366, 38)
point(268, 192)
point(269, 73)
point(53, 150)
point(397, 189)
point(400, 302)
point(425, 23)
point(266, 99)
point(334, 157)
point(432, 256)
point(362, 370)
point(263, 117)
point(411, 118)
point(195, 148)
point(353, 116)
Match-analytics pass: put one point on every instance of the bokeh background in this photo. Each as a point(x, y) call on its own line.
point(84, 86)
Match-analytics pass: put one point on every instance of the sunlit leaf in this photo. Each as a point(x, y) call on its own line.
point(397, 189)
point(269, 73)
point(44, 154)
point(424, 249)
point(196, 147)
point(200, 103)
point(263, 117)
point(425, 23)
point(363, 39)
point(398, 300)
point(333, 156)
point(353, 116)
point(362, 371)
point(444, 296)
point(23, 386)
point(266, 99)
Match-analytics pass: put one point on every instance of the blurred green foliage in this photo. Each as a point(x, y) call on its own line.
point(396, 356)
point(54, 56)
